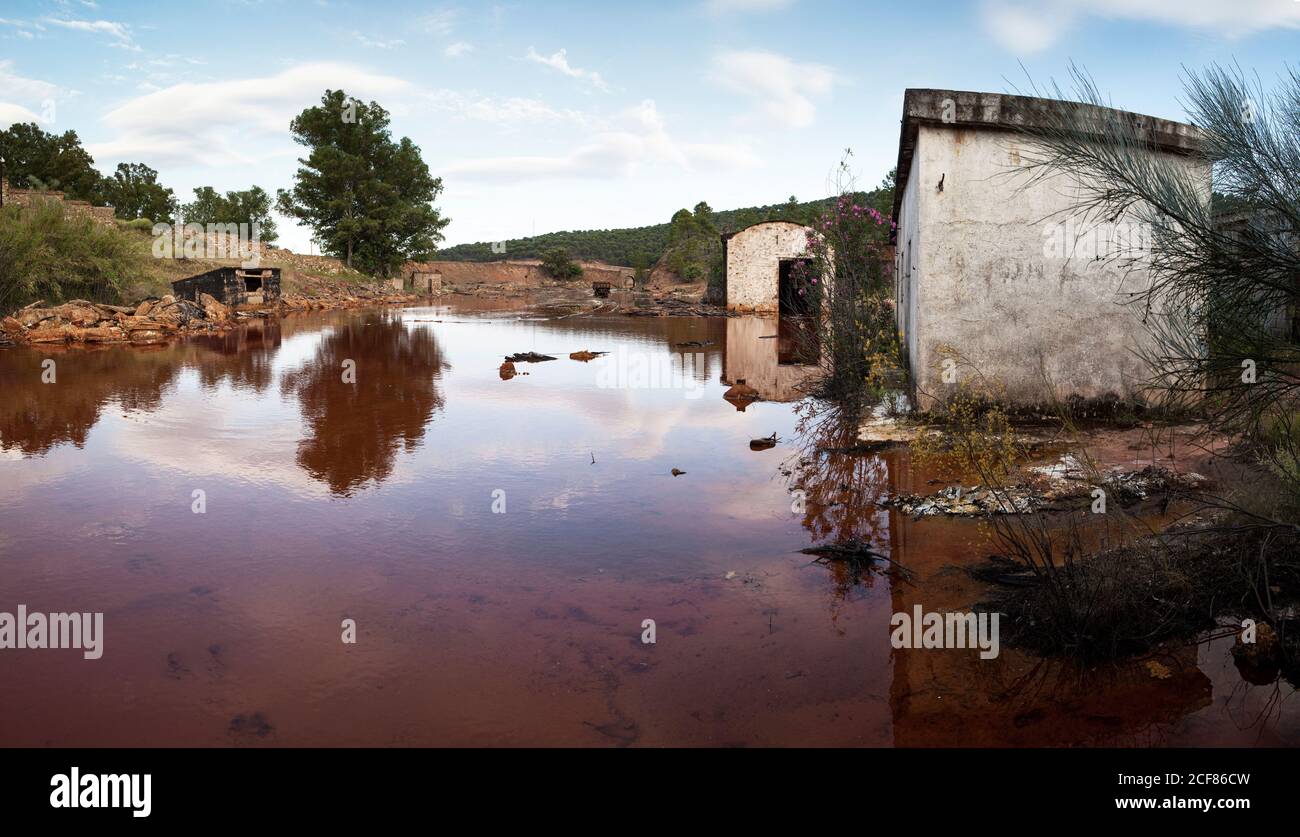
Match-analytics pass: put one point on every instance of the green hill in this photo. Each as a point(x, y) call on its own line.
point(634, 246)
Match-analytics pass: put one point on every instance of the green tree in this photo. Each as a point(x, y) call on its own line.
point(557, 264)
point(35, 159)
point(248, 206)
point(134, 192)
point(368, 199)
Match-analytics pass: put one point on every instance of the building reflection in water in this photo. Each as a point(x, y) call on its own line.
point(754, 356)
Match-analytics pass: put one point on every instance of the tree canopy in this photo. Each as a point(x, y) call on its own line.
point(369, 199)
point(134, 192)
point(248, 206)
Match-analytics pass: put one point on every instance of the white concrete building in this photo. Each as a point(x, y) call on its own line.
point(758, 261)
point(995, 276)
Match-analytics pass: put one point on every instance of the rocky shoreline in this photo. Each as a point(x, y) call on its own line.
point(157, 320)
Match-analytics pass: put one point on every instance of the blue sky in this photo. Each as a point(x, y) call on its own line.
point(545, 116)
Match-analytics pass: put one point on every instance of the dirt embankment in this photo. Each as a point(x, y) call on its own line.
point(523, 272)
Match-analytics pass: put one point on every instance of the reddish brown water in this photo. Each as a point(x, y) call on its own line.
point(374, 501)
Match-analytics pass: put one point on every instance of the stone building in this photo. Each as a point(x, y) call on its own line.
point(758, 262)
point(426, 281)
point(233, 286)
point(989, 272)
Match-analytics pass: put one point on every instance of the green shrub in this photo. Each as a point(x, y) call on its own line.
point(47, 255)
point(557, 264)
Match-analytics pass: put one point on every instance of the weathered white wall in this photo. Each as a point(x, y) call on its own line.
point(984, 286)
point(906, 254)
point(753, 263)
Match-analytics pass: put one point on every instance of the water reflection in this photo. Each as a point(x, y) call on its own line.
point(538, 634)
point(355, 429)
point(754, 357)
point(36, 416)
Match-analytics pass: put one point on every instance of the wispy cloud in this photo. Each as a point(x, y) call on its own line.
point(441, 22)
point(1026, 27)
point(721, 7)
point(559, 61)
point(379, 43)
point(784, 89)
point(230, 122)
point(458, 49)
point(118, 33)
point(641, 139)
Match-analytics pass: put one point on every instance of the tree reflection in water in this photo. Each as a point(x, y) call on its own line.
point(841, 485)
point(357, 428)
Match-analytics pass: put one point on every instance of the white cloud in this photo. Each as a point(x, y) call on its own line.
point(1031, 27)
point(441, 22)
point(225, 122)
point(11, 114)
point(719, 7)
point(379, 43)
point(785, 90)
point(509, 112)
point(641, 139)
point(458, 49)
point(559, 61)
point(29, 90)
point(120, 33)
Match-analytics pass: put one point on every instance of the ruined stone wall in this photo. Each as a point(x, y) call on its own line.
point(27, 198)
point(753, 263)
point(987, 287)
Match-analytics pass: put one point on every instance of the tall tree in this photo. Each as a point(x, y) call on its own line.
point(134, 192)
point(35, 159)
point(368, 199)
point(247, 206)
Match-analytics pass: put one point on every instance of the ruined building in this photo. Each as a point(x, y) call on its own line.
point(10, 196)
point(989, 275)
point(233, 286)
point(759, 261)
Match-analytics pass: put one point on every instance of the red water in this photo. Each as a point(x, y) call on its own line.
point(373, 501)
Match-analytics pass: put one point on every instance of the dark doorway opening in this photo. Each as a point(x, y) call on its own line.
point(793, 276)
point(796, 331)
point(252, 285)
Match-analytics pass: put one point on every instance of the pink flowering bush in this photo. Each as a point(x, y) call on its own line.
point(847, 289)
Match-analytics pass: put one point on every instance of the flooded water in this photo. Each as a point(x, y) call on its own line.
point(500, 542)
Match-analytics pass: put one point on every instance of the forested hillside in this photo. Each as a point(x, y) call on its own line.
point(634, 246)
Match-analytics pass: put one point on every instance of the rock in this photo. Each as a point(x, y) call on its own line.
point(48, 334)
point(79, 314)
point(30, 317)
point(528, 357)
point(741, 395)
point(142, 310)
point(215, 310)
point(145, 337)
point(585, 355)
point(507, 371)
point(97, 335)
point(677, 473)
point(11, 327)
point(765, 443)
